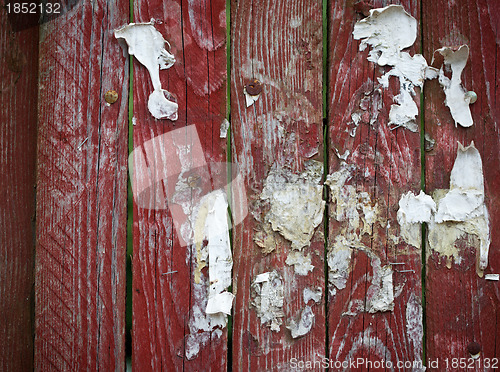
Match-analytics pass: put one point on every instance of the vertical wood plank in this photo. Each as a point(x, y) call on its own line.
point(18, 119)
point(364, 235)
point(463, 307)
point(278, 43)
point(81, 191)
point(167, 300)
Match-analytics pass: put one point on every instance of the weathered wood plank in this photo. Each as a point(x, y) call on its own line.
point(81, 191)
point(168, 303)
point(280, 44)
point(463, 307)
point(372, 165)
point(18, 119)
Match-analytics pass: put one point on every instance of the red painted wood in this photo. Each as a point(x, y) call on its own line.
point(386, 164)
point(461, 306)
point(280, 44)
point(81, 191)
point(164, 292)
point(18, 102)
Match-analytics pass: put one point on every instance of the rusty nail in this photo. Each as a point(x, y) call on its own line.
point(254, 87)
point(474, 349)
point(111, 96)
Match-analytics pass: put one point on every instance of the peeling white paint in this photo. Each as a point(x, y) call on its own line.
point(452, 213)
point(210, 245)
point(464, 205)
point(202, 327)
point(303, 325)
point(268, 298)
point(314, 294)
point(211, 226)
point(388, 31)
point(457, 98)
point(301, 262)
point(148, 46)
point(296, 205)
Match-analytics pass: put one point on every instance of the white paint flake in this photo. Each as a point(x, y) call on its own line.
point(312, 294)
point(457, 98)
point(301, 262)
point(148, 46)
point(414, 210)
point(303, 325)
point(249, 99)
point(267, 299)
point(224, 128)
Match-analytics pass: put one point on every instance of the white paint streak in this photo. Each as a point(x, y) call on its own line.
point(303, 325)
point(457, 98)
point(492, 277)
point(148, 46)
point(267, 298)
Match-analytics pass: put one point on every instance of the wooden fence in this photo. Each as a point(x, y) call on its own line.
point(349, 286)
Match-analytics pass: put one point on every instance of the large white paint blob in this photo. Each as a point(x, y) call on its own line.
point(148, 46)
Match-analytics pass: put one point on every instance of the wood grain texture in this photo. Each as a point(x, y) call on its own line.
point(165, 296)
point(18, 119)
point(461, 306)
point(385, 163)
point(81, 191)
point(280, 44)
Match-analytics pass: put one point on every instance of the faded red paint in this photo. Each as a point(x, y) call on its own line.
point(81, 192)
point(462, 307)
point(387, 164)
point(163, 304)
